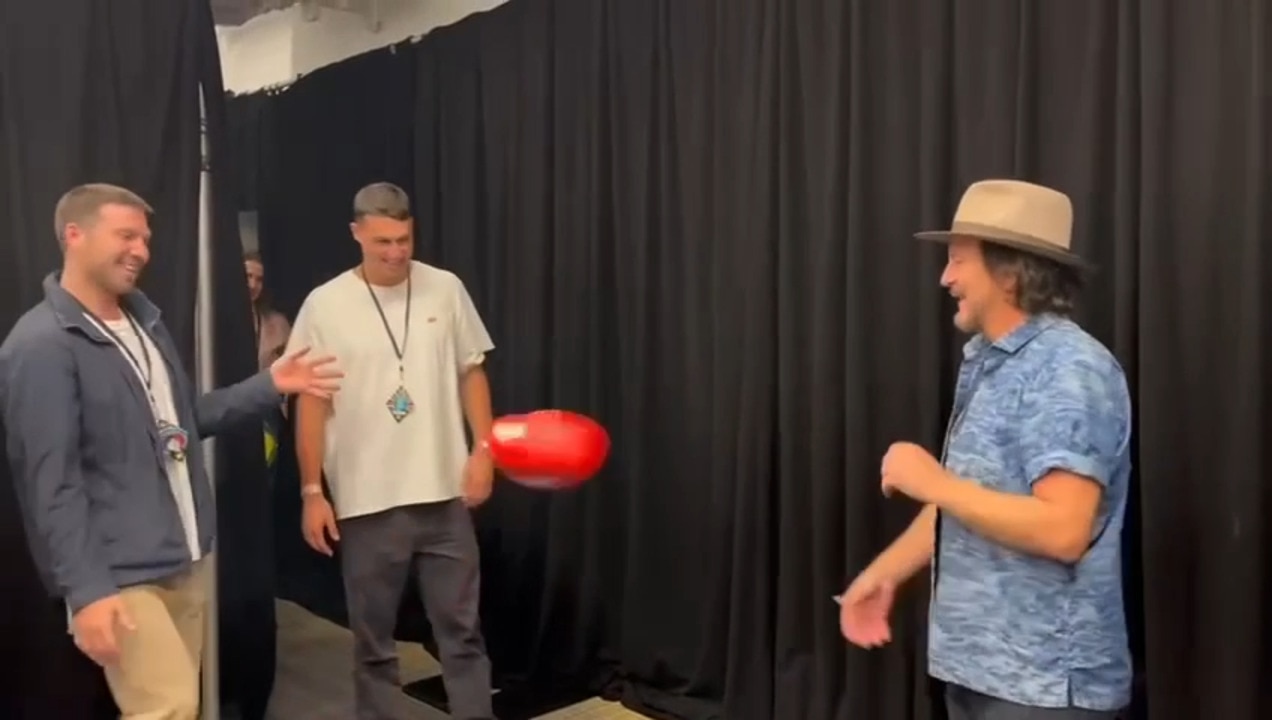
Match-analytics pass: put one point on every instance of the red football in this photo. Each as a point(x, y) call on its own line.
point(549, 449)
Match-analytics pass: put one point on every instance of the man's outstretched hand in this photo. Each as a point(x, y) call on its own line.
point(302, 374)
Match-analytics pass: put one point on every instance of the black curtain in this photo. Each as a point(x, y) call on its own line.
point(692, 220)
point(109, 92)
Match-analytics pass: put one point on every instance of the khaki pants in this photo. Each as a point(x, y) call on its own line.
point(157, 676)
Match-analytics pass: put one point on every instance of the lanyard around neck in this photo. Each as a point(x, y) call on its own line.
point(144, 368)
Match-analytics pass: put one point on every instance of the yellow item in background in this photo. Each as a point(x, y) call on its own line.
point(271, 449)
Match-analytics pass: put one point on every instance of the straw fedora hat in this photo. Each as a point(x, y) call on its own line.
point(1030, 218)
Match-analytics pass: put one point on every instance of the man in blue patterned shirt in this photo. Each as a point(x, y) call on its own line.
point(1022, 519)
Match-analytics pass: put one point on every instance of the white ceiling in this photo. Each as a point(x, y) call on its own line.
point(274, 47)
point(236, 12)
point(231, 13)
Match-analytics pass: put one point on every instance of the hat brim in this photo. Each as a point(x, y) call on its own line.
point(1063, 257)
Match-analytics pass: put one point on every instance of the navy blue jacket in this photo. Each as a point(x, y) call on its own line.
point(85, 454)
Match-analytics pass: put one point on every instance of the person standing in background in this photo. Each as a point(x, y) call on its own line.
point(103, 427)
point(270, 330)
point(269, 326)
point(401, 473)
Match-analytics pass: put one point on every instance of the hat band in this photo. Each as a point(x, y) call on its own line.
point(990, 232)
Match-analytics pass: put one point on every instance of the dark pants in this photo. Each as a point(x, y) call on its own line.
point(964, 704)
point(378, 554)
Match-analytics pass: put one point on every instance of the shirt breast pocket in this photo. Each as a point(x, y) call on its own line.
point(988, 443)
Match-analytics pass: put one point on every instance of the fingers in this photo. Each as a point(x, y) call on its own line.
point(866, 633)
point(878, 633)
point(97, 630)
point(99, 644)
point(476, 490)
point(863, 618)
point(316, 535)
point(324, 384)
point(329, 377)
point(324, 362)
point(317, 540)
point(887, 486)
point(319, 543)
point(319, 376)
point(881, 636)
point(124, 620)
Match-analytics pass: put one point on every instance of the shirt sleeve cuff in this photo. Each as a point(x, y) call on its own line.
point(1067, 461)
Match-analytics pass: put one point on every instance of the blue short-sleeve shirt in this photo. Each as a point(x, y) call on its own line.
point(1014, 626)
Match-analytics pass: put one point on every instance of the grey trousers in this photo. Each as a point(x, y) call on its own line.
point(437, 545)
point(964, 704)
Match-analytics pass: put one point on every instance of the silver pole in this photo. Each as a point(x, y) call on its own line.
point(203, 341)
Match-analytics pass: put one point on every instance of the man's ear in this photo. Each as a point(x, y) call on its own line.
point(70, 234)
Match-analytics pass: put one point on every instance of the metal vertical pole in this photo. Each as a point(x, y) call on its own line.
point(205, 365)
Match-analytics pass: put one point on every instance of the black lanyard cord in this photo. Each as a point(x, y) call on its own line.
point(398, 351)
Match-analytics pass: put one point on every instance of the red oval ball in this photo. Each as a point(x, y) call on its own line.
point(549, 449)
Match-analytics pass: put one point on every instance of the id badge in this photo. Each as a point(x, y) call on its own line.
point(173, 440)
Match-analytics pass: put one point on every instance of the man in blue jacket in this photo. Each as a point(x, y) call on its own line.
point(102, 424)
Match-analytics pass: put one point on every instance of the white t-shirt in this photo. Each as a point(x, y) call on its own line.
point(373, 462)
point(165, 408)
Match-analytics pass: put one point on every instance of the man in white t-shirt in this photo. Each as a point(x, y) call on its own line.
point(393, 449)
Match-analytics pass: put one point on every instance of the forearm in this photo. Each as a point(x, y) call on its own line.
point(311, 423)
point(911, 551)
point(1024, 523)
point(224, 408)
point(475, 393)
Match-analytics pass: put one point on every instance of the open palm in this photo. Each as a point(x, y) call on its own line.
point(302, 373)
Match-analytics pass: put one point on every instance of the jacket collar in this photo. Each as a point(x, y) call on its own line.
point(70, 313)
